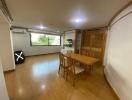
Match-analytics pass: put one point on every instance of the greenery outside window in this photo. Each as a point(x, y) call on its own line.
point(39, 39)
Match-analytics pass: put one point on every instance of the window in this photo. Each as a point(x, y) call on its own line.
point(38, 39)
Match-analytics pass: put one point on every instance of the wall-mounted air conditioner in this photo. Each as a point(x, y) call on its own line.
point(19, 31)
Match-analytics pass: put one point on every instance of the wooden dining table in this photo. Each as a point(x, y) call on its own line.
point(82, 58)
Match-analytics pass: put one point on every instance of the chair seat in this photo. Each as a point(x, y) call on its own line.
point(78, 69)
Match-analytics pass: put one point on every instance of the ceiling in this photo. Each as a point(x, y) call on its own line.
point(63, 14)
point(2, 18)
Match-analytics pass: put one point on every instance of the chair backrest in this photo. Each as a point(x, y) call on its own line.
point(61, 58)
point(65, 61)
point(69, 61)
point(69, 51)
point(70, 64)
point(92, 52)
point(96, 53)
point(85, 52)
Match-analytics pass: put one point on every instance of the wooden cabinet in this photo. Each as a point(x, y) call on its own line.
point(94, 41)
point(78, 40)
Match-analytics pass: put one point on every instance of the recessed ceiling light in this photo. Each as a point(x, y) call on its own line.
point(78, 20)
point(42, 27)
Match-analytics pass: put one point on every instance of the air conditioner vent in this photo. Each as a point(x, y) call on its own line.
point(19, 31)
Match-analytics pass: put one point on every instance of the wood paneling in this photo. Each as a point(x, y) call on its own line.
point(93, 41)
point(90, 42)
point(78, 40)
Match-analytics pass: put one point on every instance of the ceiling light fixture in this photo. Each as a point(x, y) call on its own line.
point(42, 27)
point(78, 20)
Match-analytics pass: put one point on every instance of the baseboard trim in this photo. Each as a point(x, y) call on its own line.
point(12, 70)
point(114, 92)
point(43, 54)
point(8, 71)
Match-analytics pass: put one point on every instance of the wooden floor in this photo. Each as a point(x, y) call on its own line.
point(37, 79)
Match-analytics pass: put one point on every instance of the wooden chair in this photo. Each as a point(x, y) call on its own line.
point(69, 66)
point(83, 52)
point(69, 51)
point(61, 59)
point(64, 65)
point(86, 52)
point(96, 53)
point(73, 69)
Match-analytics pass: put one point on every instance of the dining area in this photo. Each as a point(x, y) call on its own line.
point(82, 73)
point(74, 65)
point(82, 53)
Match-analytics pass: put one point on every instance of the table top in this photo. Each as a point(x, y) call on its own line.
point(82, 58)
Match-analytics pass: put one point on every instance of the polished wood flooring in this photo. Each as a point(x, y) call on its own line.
point(37, 79)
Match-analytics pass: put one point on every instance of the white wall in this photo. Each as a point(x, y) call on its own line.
point(22, 42)
point(3, 90)
point(6, 51)
point(118, 56)
point(70, 35)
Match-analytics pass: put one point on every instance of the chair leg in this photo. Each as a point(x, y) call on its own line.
point(91, 68)
point(59, 69)
point(74, 80)
point(86, 68)
point(66, 75)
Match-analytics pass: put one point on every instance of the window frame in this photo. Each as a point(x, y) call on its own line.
point(48, 39)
